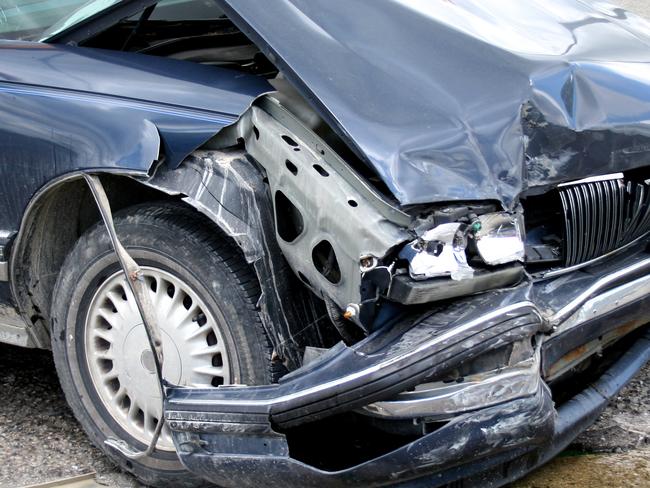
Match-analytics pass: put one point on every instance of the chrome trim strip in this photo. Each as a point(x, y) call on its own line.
point(554, 319)
point(373, 369)
point(607, 302)
point(559, 272)
point(514, 382)
point(594, 179)
point(4, 271)
point(443, 401)
point(561, 315)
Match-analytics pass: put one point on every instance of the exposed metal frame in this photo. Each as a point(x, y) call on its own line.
point(339, 206)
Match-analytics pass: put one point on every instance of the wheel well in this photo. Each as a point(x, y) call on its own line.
point(51, 226)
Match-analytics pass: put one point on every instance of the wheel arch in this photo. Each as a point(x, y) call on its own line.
point(64, 209)
point(56, 216)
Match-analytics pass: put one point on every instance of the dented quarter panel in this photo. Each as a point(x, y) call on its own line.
point(442, 109)
point(66, 109)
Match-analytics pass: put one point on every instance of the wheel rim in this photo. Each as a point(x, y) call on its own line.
point(120, 361)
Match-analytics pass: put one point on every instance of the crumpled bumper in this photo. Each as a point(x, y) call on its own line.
point(234, 436)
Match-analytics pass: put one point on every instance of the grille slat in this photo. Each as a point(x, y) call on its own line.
point(602, 216)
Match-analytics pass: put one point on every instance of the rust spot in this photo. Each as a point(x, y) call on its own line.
point(581, 353)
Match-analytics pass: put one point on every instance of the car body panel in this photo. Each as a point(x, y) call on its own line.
point(95, 109)
point(439, 109)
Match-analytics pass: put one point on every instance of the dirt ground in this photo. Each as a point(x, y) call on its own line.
point(641, 7)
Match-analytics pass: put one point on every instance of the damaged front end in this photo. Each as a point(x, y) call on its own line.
point(440, 279)
point(464, 382)
point(454, 334)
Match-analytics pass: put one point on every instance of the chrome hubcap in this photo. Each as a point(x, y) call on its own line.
point(121, 364)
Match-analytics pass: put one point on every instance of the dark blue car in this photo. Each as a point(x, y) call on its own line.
point(327, 242)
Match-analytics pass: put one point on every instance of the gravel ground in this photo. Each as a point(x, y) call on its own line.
point(41, 440)
point(641, 7)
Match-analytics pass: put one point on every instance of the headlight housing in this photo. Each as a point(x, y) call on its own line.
point(499, 239)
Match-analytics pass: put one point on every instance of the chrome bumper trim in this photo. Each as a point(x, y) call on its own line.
point(565, 312)
point(608, 302)
point(441, 401)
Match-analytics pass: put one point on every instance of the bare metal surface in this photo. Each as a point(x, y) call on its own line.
point(443, 400)
point(140, 291)
point(607, 302)
point(571, 308)
point(339, 207)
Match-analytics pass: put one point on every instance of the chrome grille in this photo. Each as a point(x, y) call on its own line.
point(602, 216)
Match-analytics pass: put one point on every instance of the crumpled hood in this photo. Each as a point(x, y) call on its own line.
point(468, 99)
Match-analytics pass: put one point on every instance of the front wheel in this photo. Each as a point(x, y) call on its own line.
point(204, 295)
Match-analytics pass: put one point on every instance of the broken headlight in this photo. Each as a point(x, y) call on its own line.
point(500, 239)
point(443, 251)
point(439, 252)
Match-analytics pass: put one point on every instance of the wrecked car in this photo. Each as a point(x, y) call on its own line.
point(327, 243)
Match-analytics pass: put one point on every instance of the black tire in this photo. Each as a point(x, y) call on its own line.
point(177, 240)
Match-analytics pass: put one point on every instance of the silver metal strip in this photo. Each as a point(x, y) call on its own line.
point(501, 312)
point(594, 179)
point(607, 302)
point(478, 391)
point(137, 284)
point(556, 318)
point(4, 271)
point(565, 312)
point(512, 382)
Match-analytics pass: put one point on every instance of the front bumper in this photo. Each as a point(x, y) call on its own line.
point(234, 436)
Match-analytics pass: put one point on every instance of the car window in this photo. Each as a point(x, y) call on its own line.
point(39, 19)
point(28, 19)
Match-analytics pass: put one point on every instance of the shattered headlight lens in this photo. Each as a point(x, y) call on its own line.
point(439, 252)
point(442, 251)
point(500, 239)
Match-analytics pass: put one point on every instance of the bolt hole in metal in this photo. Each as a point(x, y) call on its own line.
point(121, 364)
point(321, 171)
point(291, 167)
point(290, 141)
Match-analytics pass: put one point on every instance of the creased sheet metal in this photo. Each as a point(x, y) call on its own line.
point(468, 99)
